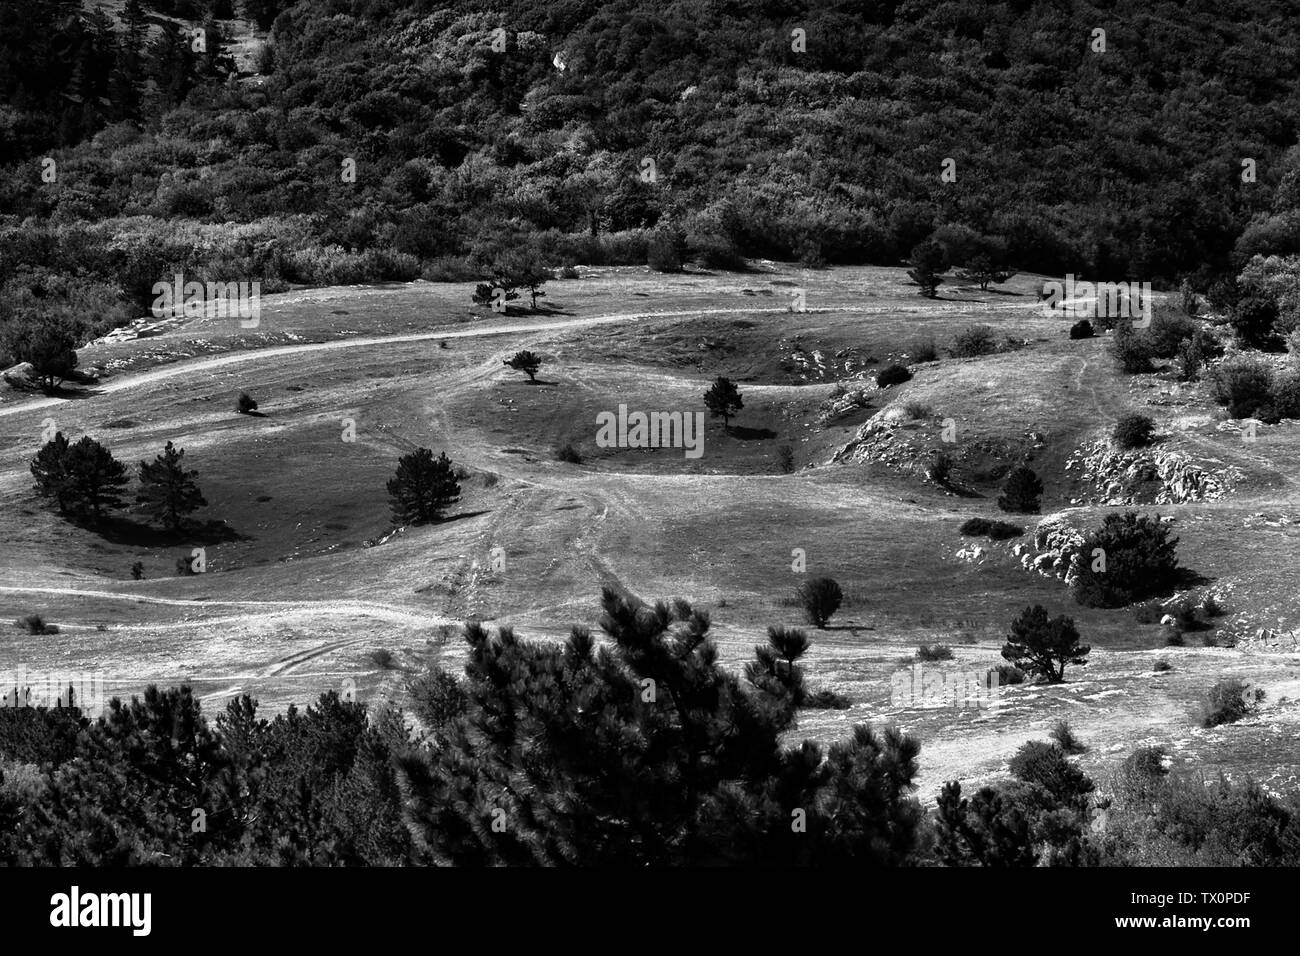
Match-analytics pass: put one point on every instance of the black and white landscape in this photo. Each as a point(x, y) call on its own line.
point(605, 432)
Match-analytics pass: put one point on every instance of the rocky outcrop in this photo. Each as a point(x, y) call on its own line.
point(1148, 476)
point(1058, 545)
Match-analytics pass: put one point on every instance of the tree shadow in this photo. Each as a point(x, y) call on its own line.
point(254, 413)
point(538, 381)
point(119, 529)
point(745, 433)
point(1185, 578)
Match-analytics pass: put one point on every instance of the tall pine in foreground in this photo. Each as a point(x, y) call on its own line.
point(167, 491)
point(643, 751)
point(423, 487)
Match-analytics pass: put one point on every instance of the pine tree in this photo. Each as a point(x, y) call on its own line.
point(422, 488)
point(928, 262)
point(1043, 646)
point(1022, 492)
point(525, 361)
point(95, 478)
point(50, 469)
point(167, 490)
point(47, 345)
point(723, 398)
point(1131, 557)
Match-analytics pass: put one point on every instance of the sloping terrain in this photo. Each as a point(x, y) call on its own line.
point(306, 578)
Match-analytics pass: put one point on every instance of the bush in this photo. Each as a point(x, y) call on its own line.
point(997, 530)
point(820, 599)
point(1046, 765)
point(892, 375)
point(382, 658)
point(1064, 736)
point(1168, 329)
point(1228, 701)
point(244, 404)
point(930, 653)
point(1130, 349)
point(826, 700)
point(568, 454)
point(1162, 666)
point(665, 252)
point(1175, 639)
point(1009, 674)
point(568, 271)
point(1286, 395)
point(1244, 384)
point(1022, 492)
point(973, 342)
point(1082, 330)
point(940, 468)
point(923, 350)
point(1133, 431)
point(785, 459)
point(917, 411)
point(35, 624)
point(1137, 561)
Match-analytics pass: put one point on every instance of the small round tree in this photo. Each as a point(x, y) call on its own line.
point(1129, 558)
point(1134, 431)
point(1022, 492)
point(820, 598)
point(245, 404)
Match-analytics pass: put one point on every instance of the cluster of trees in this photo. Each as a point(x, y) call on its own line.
point(466, 150)
point(981, 259)
point(85, 481)
point(645, 751)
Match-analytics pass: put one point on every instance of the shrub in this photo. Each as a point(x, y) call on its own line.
point(1046, 765)
point(997, 530)
point(917, 411)
point(940, 468)
point(923, 350)
point(1044, 646)
point(245, 404)
point(1162, 666)
point(1228, 701)
point(1134, 431)
point(382, 658)
point(1286, 395)
point(35, 624)
point(1008, 674)
point(1175, 639)
point(1148, 612)
point(930, 653)
point(1082, 330)
point(1129, 558)
point(820, 599)
point(568, 271)
point(785, 459)
point(1022, 492)
point(437, 698)
point(568, 454)
point(137, 571)
point(1243, 383)
point(1130, 349)
point(665, 252)
point(892, 375)
point(826, 700)
point(973, 342)
point(1064, 736)
point(1167, 330)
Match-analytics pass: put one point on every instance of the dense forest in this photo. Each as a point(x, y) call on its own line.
point(376, 139)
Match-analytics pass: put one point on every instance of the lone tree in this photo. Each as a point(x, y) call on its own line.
point(820, 598)
point(49, 348)
point(50, 469)
point(422, 488)
point(1129, 558)
point(1022, 492)
point(1043, 646)
point(525, 361)
point(928, 262)
point(723, 398)
point(981, 269)
point(167, 490)
point(529, 273)
point(245, 404)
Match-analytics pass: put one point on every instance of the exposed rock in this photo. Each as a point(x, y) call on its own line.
point(1150, 475)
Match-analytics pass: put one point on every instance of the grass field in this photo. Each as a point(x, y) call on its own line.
point(306, 580)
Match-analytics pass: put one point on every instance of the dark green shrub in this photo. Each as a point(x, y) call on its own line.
point(1082, 330)
point(892, 375)
point(1244, 384)
point(1133, 431)
point(1129, 558)
point(1046, 765)
point(820, 598)
point(931, 653)
point(973, 342)
point(1022, 492)
point(1228, 701)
